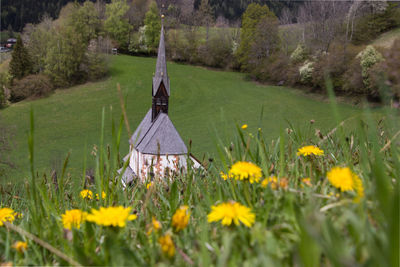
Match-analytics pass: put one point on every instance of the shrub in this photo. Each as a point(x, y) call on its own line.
point(368, 58)
point(306, 71)
point(191, 37)
point(217, 52)
point(353, 80)
point(32, 86)
point(333, 64)
point(2, 98)
point(175, 45)
point(299, 54)
point(5, 81)
point(138, 41)
point(388, 71)
point(95, 64)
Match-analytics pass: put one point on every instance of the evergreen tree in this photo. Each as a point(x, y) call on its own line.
point(20, 64)
point(153, 26)
point(206, 15)
point(254, 14)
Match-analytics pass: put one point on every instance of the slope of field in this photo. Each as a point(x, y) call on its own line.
point(386, 39)
point(204, 106)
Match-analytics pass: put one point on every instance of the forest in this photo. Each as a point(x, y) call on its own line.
point(16, 13)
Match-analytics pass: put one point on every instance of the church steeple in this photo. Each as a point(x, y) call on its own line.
point(160, 90)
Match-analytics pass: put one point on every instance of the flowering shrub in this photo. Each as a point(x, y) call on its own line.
point(299, 54)
point(368, 58)
point(306, 71)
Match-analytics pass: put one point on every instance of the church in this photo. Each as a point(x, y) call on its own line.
point(156, 149)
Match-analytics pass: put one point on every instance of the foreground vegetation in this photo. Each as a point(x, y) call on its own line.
point(291, 205)
point(203, 104)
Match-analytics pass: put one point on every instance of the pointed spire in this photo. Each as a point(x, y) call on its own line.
point(161, 74)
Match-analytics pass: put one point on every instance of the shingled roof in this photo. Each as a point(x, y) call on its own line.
point(161, 74)
point(158, 137)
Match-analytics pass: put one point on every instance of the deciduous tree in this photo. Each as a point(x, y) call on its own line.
point(153, 26)
point(116, 23)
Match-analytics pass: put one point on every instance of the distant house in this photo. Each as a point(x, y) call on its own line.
point(11, 42)
point(156, 148)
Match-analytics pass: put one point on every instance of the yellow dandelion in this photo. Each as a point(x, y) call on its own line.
point(341, 178)
point(284, 183)
point(231, 211)
point(167, 245)
point(310, 150)
point(243, 170)
point(86, 194)
point(181, 218)
point(358, 186)
point(149, 185)
point(307, 181)
point(346, 180)
point(155, 225)
point(272, 181)
point(73, 218)
point(224, 176)
point(103, 195)
point(111, 216)
point(244, 126)
point(20, 246)
point(7, 215)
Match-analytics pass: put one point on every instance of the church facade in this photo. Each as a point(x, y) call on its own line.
point(156, 148)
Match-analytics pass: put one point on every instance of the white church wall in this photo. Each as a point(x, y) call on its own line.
point(147, 165)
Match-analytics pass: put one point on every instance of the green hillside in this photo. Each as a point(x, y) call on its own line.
point(386, 39)
point(204, 104)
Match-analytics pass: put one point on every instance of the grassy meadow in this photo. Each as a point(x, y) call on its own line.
point(265, 203)
point(268, 198)
point(205, 106)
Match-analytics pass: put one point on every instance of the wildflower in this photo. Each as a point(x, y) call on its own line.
point(73, 218)
point(272, 181)
point(284, 183)
point(242, 170)
point(244, 126)
point(310, 150)
point(346, 180)
point(20, 246)
point(6, 215)
point(231, 211)
point(149, 185)
point(111, 216)
point(103, 195)
point(167, 245)
point(224, 176)
point(181, 218)
point(155, 225)
point(307, 181)
point(86, 193)
point(358, 186)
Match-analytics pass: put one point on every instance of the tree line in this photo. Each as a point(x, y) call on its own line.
point(328, 39)
point(17, 13)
